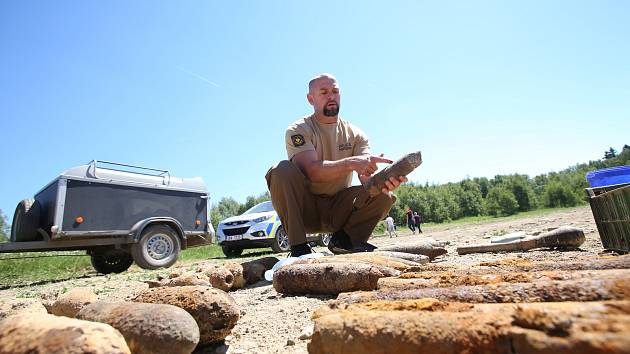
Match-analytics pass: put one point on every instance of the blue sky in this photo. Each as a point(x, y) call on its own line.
point(207, 88)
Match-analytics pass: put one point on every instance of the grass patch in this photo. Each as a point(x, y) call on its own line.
point(33, 267)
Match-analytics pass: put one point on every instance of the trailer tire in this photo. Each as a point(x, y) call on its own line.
point(158, 247)
point(281, 241)
point(111, 262)
point(231, 252)
point(26, 221)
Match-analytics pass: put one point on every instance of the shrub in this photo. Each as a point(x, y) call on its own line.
point(559, 195)
point(501, 201)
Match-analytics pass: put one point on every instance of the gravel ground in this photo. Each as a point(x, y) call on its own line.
point(273, 323)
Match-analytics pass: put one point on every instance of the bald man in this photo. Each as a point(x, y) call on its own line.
point(312, 191)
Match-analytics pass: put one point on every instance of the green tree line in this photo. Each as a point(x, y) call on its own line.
point(499, 196)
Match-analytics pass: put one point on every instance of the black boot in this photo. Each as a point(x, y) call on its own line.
point(340, 243)
point(300, 250)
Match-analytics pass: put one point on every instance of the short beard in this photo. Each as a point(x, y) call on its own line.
point(331, 112)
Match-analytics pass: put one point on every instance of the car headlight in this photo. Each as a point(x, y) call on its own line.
point(261, 219)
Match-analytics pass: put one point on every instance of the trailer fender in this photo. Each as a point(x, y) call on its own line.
point(137, 228)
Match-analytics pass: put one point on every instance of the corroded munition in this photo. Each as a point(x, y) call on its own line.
point(328, 278)
point(465, 277)
point(423, 248)
point(182, 279)
point(254, 271)
point(522, 265)
point(402, 167)
point(10, 307)
point(563, 237)
point(215, 312)
point(613, 288)
point(367, 258)
point(44, 334)
point(237, 271)
point(147, 328)
point(219, 276)
point(430, 326)
point(70, 303)
point(386, 257)
point(418, 258)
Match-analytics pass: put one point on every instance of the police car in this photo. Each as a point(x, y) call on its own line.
point(258, 227)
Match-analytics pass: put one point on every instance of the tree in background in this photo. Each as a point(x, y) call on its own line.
point(251, 201)
point(559, 195)
point(501, 202)
point(227, 207)
point(610, 154)
point(5, 229)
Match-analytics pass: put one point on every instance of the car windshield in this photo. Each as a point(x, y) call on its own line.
point(260, 208)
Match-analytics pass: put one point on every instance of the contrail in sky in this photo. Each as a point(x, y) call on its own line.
point(199, 77)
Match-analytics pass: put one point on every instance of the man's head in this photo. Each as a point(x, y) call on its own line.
point(323, 95)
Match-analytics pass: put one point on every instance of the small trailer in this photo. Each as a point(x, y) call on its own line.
point(118, 213)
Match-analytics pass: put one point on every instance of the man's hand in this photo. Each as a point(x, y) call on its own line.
point(366, 164)
point(369, 163)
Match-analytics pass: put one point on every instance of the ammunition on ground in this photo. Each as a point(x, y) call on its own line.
point(402, 167)
point(432, 326)
point(563, 237)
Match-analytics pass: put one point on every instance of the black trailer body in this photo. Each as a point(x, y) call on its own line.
point(118, 213)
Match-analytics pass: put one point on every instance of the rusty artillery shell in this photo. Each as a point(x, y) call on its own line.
point(328, 278)
point(563, 237)
point(254, 271)
point(616, 287)
point(147, 328)
point(423, 248)
point(402, 167)
point(464, 277)
point(367, 258)
point(418, 258)
point(521, 265)
point(432, 326)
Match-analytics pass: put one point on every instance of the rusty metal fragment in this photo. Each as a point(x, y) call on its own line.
point(471, 277)
point(423, 248)
point(563, 237)
point(254, 271)
point(401, 167)
point(328, 278)
point(147, 328)
point(616, 287)
point(432, 326)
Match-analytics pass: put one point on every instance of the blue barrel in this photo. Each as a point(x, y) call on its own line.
point(609, 176)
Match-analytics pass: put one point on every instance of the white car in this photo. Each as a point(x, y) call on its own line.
point(258, 227)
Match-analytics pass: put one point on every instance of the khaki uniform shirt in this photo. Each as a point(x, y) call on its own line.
point(331, 142)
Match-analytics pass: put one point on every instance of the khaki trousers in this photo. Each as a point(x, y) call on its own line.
point(302, 212)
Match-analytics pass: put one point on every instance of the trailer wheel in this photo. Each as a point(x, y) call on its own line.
point(158, 247)
point(281, 241)
point(231, 252)
point(111, 262)
point(26, 221)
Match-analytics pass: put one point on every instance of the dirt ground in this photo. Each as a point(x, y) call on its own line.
point(273, 323)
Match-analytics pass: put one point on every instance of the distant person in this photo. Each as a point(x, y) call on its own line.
point(417, 220)
point(312, 192)
point(410, 223)
point(390, 226)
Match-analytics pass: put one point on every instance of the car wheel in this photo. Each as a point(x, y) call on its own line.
point(111, 261)
point(281, 241)
point(324, 239)
point(26, 221)
point(158, 247)
point(231, 252)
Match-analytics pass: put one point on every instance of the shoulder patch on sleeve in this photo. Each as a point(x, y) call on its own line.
point(297, 140)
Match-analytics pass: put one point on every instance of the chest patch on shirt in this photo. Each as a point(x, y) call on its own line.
point(297, 140)
point(346, 146)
